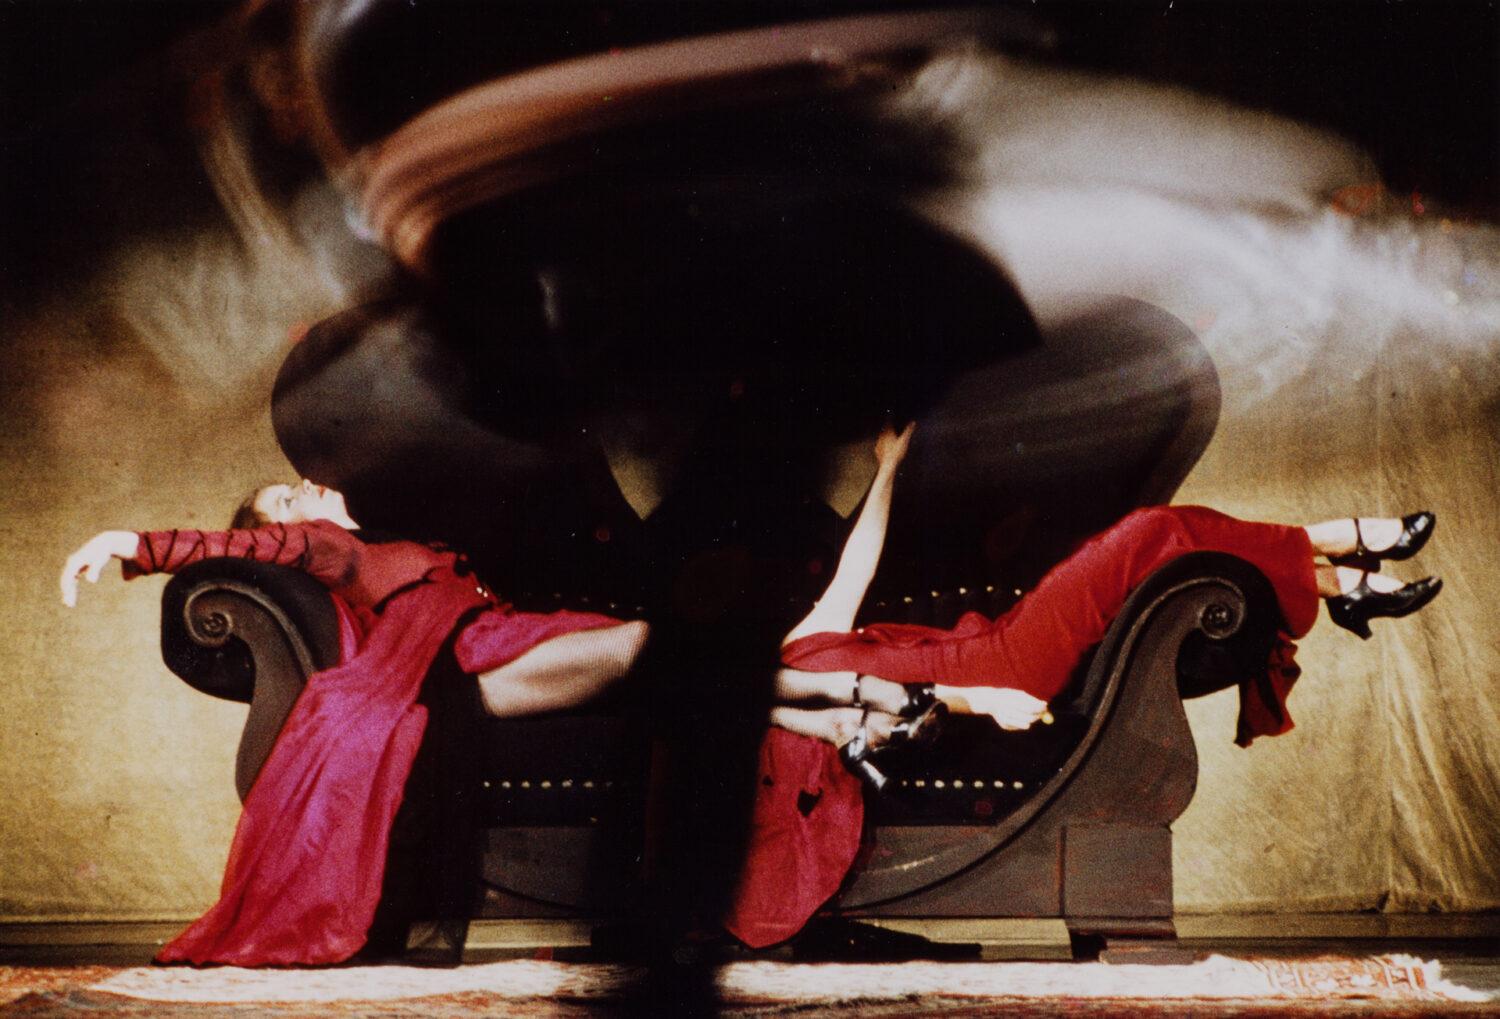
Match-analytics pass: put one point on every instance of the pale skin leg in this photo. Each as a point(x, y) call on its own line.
point(1337, 537)
point(563, 672)
point(834, 725)
point(572, 669)
point(835, 613)
point(1011, 708)
point(1336, 580)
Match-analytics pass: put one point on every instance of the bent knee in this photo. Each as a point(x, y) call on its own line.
point(633, 636)
point(1150, 522)
point(1153, 516)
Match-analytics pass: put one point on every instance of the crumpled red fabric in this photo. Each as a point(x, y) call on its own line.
point(308, 858)
point(799, 855)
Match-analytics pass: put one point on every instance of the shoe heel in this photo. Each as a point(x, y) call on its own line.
point(1343, 614)
point(871, 775)
point(855, 756)
point(922, 730)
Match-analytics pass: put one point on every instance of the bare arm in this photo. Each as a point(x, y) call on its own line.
point(836, 610)
point(92, 557)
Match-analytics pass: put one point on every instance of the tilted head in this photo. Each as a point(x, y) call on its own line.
point(298, 503)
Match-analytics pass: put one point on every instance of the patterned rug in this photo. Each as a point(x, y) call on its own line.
point(1393, 985)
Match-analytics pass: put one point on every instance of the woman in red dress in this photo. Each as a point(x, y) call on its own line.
point(847, 692)
point(308, 857)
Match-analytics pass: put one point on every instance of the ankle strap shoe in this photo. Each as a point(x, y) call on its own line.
point(1353, 611)
point(1416, 528)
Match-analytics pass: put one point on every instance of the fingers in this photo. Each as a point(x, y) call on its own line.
point(891, 445)
point(69, 580)
point(89, 562)
point(1016, 709)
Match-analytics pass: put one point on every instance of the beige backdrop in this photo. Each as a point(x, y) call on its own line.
point(1358, 358)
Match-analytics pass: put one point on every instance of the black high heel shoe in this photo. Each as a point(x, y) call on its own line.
point(855, 756)
point(1416, 528)
point(920, 700)
point(1353, 611)
point(858, 755)
point(919, 731)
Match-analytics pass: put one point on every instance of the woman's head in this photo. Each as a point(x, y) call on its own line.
point(283, 503)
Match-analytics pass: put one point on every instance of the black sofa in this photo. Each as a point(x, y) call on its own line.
point(1067, 820)
point(732, 271)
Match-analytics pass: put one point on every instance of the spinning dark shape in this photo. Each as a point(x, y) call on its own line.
point(757, 347)
point(722, 275)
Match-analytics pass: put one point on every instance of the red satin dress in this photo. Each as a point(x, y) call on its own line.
point(308, 857)
point(799, 854)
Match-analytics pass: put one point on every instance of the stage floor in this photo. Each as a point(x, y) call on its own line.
point(62, 971)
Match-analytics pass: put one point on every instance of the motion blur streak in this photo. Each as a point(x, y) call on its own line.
point(1239, 222)
point(215, 306)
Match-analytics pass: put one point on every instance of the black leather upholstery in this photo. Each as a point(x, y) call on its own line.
point(206, 650)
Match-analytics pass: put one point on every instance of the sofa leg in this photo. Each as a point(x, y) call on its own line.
point(1145, 952)
point(1086, 947)
point(1149, 943)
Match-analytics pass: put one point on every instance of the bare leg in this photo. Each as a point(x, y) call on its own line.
point(563, 672)
point(833, 687)
point(834, 725)
point(1336, 580)
point(840, 688)
point(1337, 537)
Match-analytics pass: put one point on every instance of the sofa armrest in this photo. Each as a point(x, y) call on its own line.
point(250, 632)
point(1221, 614)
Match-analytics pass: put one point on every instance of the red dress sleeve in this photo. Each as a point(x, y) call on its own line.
point(322, 549)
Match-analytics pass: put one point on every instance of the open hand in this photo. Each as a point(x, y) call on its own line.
point(891, 445)
point(91, 559)
point(1010, 708)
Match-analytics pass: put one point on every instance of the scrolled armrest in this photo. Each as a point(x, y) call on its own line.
point(251, 632)
point(216, 613)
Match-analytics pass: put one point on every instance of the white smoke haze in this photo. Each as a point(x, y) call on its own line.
point(215, 307)
point(1226, 217)
point(1081, 184)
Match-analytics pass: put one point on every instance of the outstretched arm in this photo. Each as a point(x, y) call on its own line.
point(92, 557)
point(326, 551)
point(836, 610)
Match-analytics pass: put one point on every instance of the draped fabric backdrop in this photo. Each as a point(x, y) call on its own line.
point(1357, 353)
